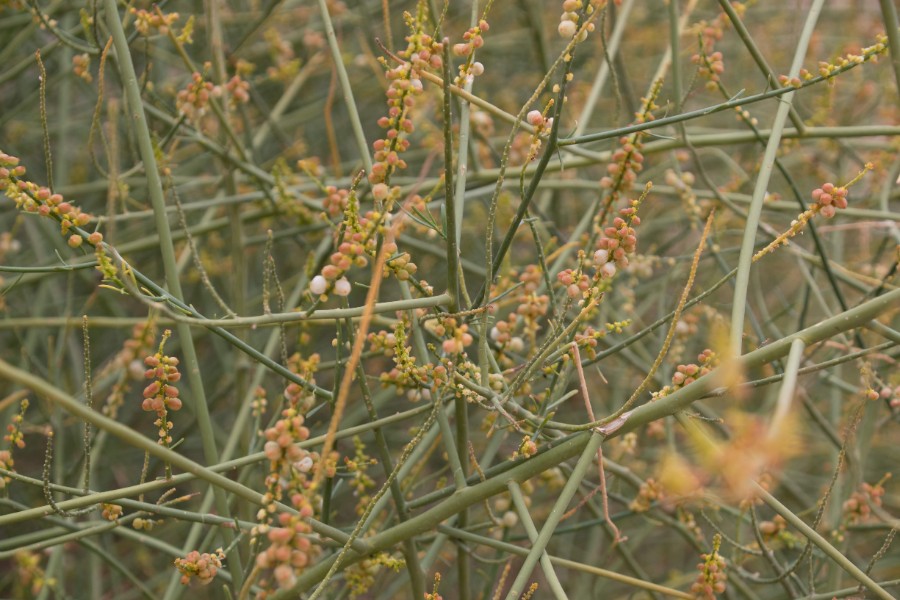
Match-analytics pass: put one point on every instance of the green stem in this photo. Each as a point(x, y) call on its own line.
point(742, 279)
point(157, 199)
point(556, 513)
point(515, 491)
point(337, 60)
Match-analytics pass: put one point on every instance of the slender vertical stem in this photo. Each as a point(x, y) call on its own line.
point(742, 280)
point(892, 30)
point(450, 218)
point(157, 199)
point(337, 59)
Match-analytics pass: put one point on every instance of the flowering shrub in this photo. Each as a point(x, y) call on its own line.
point(435, 286)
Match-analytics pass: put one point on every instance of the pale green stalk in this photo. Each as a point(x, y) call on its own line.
point(157, 199)
point(515, 492)
point(745, 261)
point(337, 60)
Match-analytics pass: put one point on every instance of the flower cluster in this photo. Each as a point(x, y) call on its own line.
point(289, 465)
point(360, 481)
point(587, 339)
point(575, 281)
point(685, 375)
point(568, 20)
point(202, 566)
point(618, 242)
point(335, 201)
point(237, 90)
point(711, 579)
point(627, 162)
point(147, 22)
point(192, 101)
point(357, 242)
point(869, 53)
point(161, 395)
point(299, 397)
point(14, 439)
point(290, 548)
point(81, 66)
point(110, 512)
point(361, 576)
point(281, 51)
point(857, 508)
point(128, 365)
point(457, 336)
point(422, 52)
point(649, 492)
point(709, 67)
point(33, 198)
point(472, 39)
point(542, 125)
point(519, 330)
point(827, 198)
point(406, 375)
point(892, 395)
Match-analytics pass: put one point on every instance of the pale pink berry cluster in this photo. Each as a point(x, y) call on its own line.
point(422, 52)
point(568, 20)
point(687, 374)
point(289, 548)
point(358, 244)
point(575, 281)
point(290, 468)
point(280, 447)
point(161, 395)
point(892, 395)
point(237, 90)
point(472, 39)
point(129, 364)
point(335, 201)
point(829, 198)
point(36, 199)
point(709, 66)
point(202, 566)
point(858, 507)
point(711, 579)
point(627, 161)
point(457, 336)
point(618, 242)
point(399, 263)
point(193, 100)
point(502, 335)
point(518, 331)
point(542, 126)
point(299, 397)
